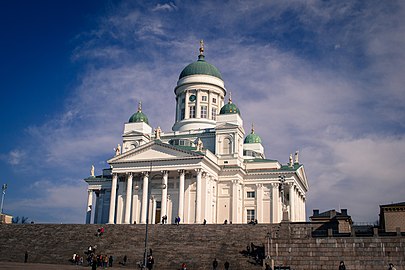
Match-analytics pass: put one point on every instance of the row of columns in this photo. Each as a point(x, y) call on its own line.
point(145, 196)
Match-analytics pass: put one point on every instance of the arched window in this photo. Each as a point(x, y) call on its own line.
point(227, 148)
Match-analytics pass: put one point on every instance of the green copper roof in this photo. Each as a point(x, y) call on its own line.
point(229, 108)
point(139, 116)
point(200, 67)
point(252, 138)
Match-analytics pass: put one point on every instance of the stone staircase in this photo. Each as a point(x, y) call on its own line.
point(290, 244)
point(196, 245)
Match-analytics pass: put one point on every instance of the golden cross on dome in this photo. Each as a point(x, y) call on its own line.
point(201, 47)
point(253, 128)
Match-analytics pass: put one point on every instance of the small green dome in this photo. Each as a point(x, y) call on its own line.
point(139, 116)
point(229, 108)
point(252, 138)
point(200, 67)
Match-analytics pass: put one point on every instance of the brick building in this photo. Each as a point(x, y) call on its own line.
point(392, 216)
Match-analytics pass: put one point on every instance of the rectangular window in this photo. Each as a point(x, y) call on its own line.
point(250, 215)
point(214, 100)
point(192, 112)
point(214, 113)
point(182, 114)
point(251, 194)
point(204, 98)
point(204, 112)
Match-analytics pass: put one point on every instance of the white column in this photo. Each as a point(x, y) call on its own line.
point(197, 104)
point(181, 194)
point(144, 197)
point(235, 201)
point(275, 200)
point(128, 198)
point(89, 205)
point(153, 218)
point(135, 203)
point(292, 202)
point(164, 194)
point(198, 195)
point(113, 198)
point(259, 202)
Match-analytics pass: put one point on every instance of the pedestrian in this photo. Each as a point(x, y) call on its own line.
point(342, 266)
point(267, 267)
point(226, 265)
point(205, 222)
point(26, 257)
point(125, 260)
point(391, 267)
point(150, 262)
point(226, 221)
point(94, 263)
point(215, 264)
point(183, 266)
point(110, 261)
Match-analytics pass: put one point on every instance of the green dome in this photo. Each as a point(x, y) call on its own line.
point(252, 138)
point(139, 116)
point(200, 67)
point(229, 108)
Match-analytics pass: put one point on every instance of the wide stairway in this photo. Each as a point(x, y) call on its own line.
point(196, 245)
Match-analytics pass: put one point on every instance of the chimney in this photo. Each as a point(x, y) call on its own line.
point(316, 212)
point(344, 212)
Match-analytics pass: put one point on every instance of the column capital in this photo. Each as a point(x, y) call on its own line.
point(275, 185)
point(204, 174)
point(259, 186)
point(164, 172)
point(145, 174)
point(198, 170)
point(235, 181)
point(181, 171)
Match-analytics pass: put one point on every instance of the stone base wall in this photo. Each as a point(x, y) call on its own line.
point(288, 244)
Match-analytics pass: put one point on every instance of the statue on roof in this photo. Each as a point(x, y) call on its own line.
point(296, 157)
point(291, 160)
point(92, 171)
point(118, 150)
point(200, 145)
point(158, 131)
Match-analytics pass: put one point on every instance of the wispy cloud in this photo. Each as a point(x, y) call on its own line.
point(165, 7)
point(14, 157)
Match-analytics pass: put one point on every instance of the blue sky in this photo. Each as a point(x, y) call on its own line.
point(322, 77)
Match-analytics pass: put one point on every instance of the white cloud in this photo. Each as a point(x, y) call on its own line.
point(14, 157)
point(165, 7)
point(52, 201)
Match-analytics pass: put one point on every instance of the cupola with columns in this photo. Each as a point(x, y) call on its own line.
point(252, 146)
point(137, 131)
point(200, 93)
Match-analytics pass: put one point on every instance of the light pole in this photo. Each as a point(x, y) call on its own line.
point(149, 191)
point(3, 189)
point(282, 182)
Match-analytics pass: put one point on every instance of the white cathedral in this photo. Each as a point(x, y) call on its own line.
point(205, 169)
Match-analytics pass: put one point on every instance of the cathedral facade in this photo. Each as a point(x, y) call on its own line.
point(205, 170)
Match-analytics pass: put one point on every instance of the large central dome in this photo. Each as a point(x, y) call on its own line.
point(200, 67)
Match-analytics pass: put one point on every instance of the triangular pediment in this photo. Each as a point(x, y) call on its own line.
point(154, 150)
